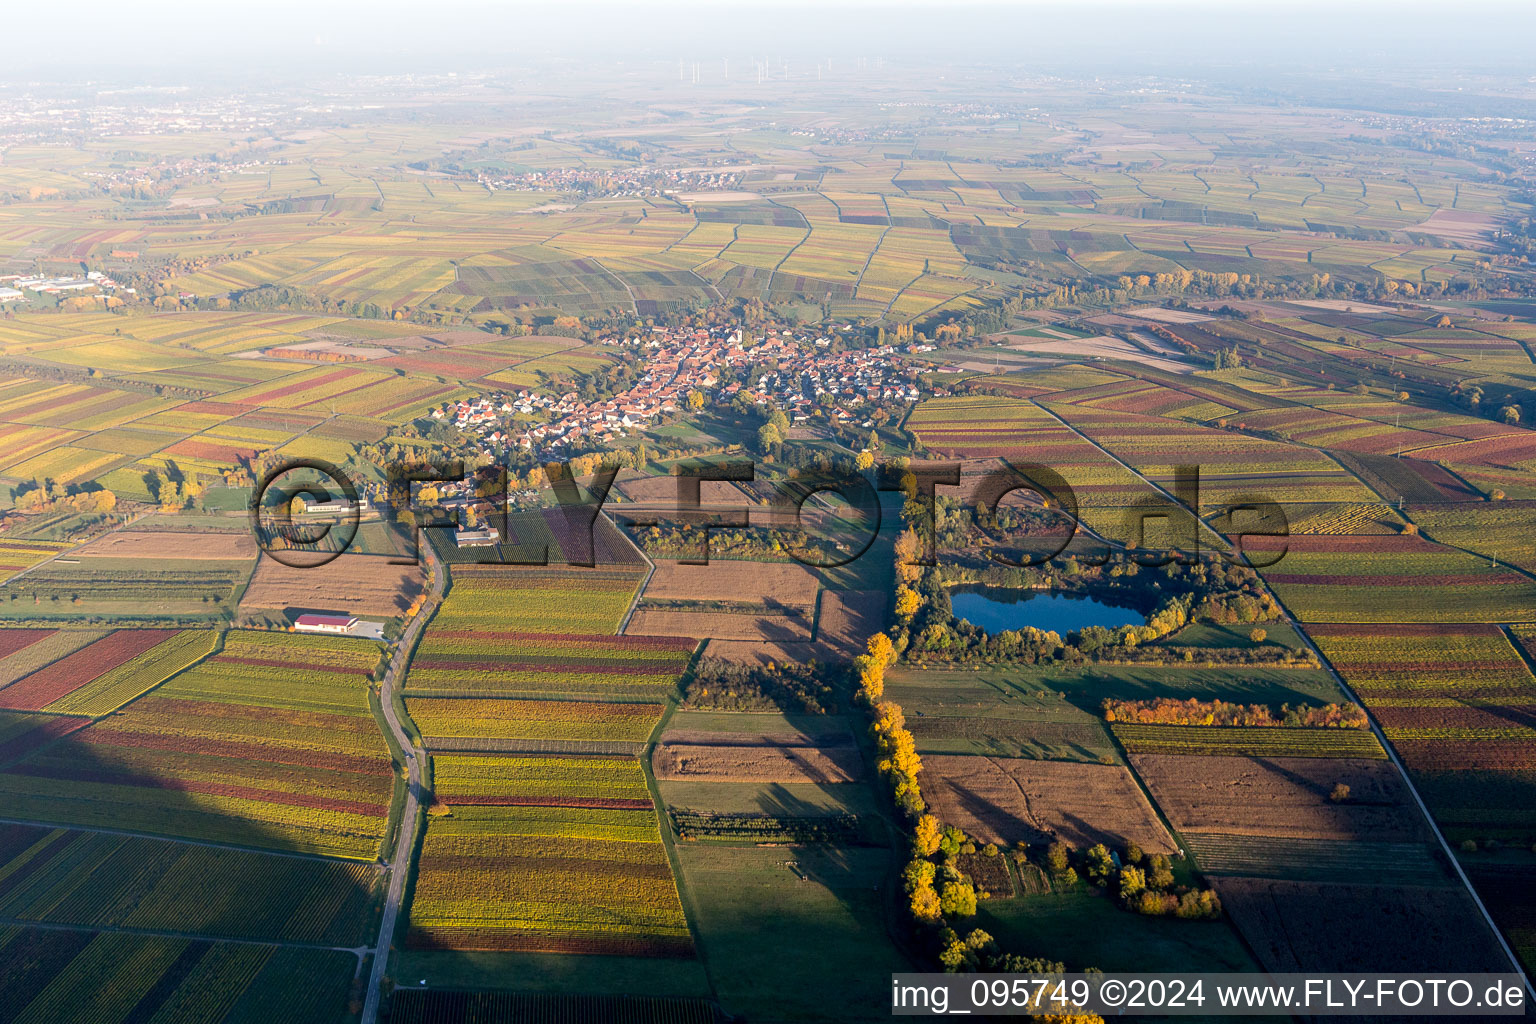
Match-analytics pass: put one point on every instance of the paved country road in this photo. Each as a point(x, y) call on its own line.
point(399, 864)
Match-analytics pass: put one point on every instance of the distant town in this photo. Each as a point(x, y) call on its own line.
point(681, 363)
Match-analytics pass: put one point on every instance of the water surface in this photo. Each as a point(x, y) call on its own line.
point(995, 609)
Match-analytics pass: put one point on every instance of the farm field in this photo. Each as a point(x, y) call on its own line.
point(484, 663)
point(170, 544)
point(1246, 741)
point(496, 781)
point(972, 713)
point(799, 800)
point(793, 925)
point(57, 975)
point(352, 583)
point(1358, 927)
point(1005, 801)
point(103, 880)
point(763, 762)
point(554, 879)
point(1086, 687)
point(1082, 929)
point(23, 651)
point(756, 777)
point(1317, 860)
point(103, 676)
point(1310, 282)
point(533, 725)
point(1279, 796)
point(756, 748)
point(555, 855)
point(268, 744)
point(125, 591)
point(1453, 700)
point(1322, 579)
point(16, 555)
point(22, 733)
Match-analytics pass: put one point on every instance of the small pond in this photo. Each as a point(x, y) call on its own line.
point(995, 609)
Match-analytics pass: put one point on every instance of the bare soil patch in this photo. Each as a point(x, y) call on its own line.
point(1167, 316)
point(357, 584)
point(1004, 800)
point(757, 762)
point(778, 582)
point(662, 490)
point(1462, 226)
point(848, 618)
point(1106, 347)
point(748, 652)
point(182, 545)
point(845, 621)
point(719, 625)
point(1281, 796)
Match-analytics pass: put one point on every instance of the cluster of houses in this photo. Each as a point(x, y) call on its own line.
point(164, 172)
point(25, 116)
point(803, 375)
point(846, 381)
point(618, 181)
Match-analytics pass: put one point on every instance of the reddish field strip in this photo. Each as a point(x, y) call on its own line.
point(220, 453)
point(435, 937)
point(236, 750)
point(216, 408)
point(1406, 580)
point(13, 640)
point(1403, 629)
point(292, 389)
point(611, 668)
point(53, 404)
point(599, 802)
point(1467, 755)
point(69, 673)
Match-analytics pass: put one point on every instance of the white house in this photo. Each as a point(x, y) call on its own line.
point(312, 623)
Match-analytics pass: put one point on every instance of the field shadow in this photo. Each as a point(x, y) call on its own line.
point(223, 906)
point(777, 800)
point(1005, 823)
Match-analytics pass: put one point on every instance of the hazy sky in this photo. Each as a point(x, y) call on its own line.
point(180, 38)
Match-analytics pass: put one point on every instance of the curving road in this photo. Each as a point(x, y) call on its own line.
point(399, 864)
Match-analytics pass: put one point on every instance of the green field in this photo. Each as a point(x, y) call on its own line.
point(814, 948)
point(1083, 929)
point(1054, 713)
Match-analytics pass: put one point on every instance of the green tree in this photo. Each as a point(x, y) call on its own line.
point(957, 899)
point(768, 438)
point(1098, 864)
